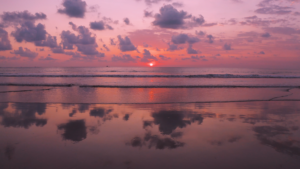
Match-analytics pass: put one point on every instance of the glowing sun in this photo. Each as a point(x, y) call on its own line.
point(151, 64)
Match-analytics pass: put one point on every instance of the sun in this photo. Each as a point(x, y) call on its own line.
point(151, 64)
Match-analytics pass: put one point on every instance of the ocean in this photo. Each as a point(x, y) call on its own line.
point(136, 117)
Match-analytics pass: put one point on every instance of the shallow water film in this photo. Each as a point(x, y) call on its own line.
point(261, 134)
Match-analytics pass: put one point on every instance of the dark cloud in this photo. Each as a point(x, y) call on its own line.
point(29, 32)
point(105, 47)
point(227, 46)
point(100, 25)
point(183, 38)
point(170, 17)
point(109, 20)
point(273, 9)
point(147, 57)
point(25, 53)
point(68, 39)
point(151, 2)
point(58, 49)
point(50, 41)
point(16, 18)
point(255, 21)
point(75, 55)
point(266, 35)
point(210, 38)
point(4, 41)
point(180, 39)
point(195, 58)
point(89, 50)
point(176, 134)
point(150, 141)
point(25, 115)
point(74, 27)
point(125, 44)
point(112, 42)
point(74, 130)
point(209, 24)
point(232, 21)
point(198, 20)
point(148, 14)
point(283, 30)
point(190, 50)
point(126, 21)
point(124, 58)
point(248, 34)
point(173, 47)
point(109, 27)
point(251, 17)
point(145, 45)
point(73, 8)
point(162, 57)
point(193, 40)
point(9, 58)
point(177, 4)
point(48, 58)
point(261, 52)
point(200, 33)
point(237, 1)
point(84, 41)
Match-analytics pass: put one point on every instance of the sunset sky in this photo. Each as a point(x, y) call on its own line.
point(215, 33)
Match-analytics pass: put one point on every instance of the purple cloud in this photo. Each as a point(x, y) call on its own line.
point(124, 58)
point(25, 53)
point(29, 32)
point(20, 17)
point(183, 38)
point(162, 57)
point(266, 35)
point(190, 50)
point(227, 46)
point(4, 41)
point(126, 21)
point(148, 14)
point(147, 57)
point(170, 17)
point(125, 44)
point(73, 8)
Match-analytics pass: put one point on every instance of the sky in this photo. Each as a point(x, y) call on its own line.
point(163, 33)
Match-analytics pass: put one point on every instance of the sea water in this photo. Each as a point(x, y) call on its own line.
point(149, 118)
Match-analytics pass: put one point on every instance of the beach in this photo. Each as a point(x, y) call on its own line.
point(155, 121)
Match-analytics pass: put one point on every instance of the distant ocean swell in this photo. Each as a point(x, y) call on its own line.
point(152, 86)
point(155, 76)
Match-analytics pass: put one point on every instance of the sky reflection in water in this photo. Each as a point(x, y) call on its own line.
point(215, 135)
